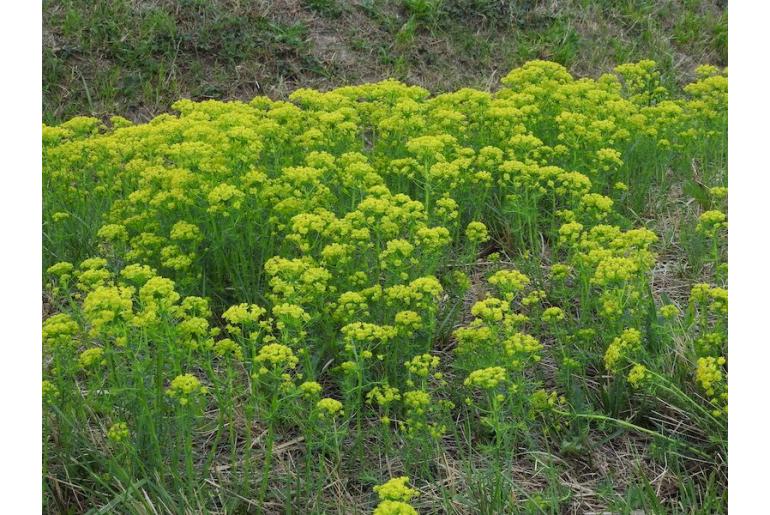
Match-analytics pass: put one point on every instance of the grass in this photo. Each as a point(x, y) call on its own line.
point(105, 57)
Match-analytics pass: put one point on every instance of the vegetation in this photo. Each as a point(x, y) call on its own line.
point(376, 298)
point(104, 57)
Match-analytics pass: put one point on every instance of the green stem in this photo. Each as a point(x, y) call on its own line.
point(267, 463)
point(634, 427)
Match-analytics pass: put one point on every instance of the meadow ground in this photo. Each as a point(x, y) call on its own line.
point(135, 58)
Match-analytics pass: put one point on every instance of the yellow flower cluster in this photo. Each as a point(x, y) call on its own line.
point(408, 322)
point(114, 233)
point(276, 358)
point(366, 332)
point(477, 233)
point(289, 315)
point(228, 348)
point(509, 283)
point(638, 375)
point(622, 348)
point(533, 298)
point(417, 401)
point(486, 378)
point(310, 389)
point(383, 395)
point(669, 311)
point(541, 400)
point(714, 298)
point(710, 223)
point(560, 271)
point(521, 347)
point(420, 409)
point(329, 408)
point(718, 192)
point(108, 306)
point(395, 489)
point(397, 255)
point(118, 432)
point(61, 269)
point(614, 270)
point(92, 357)
point(710, 376)
point(595, 207)
point(137, 275)
point(491, 309)
point(394, 508)
point(242, 314)
point(185, 388)
point(50, 392)
point(59, 330)
point(422, 365)
point(552, 315)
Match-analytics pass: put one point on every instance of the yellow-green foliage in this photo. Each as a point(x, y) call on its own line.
point(300, 265)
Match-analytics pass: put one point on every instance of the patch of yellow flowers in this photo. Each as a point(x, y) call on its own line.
point(322, 238)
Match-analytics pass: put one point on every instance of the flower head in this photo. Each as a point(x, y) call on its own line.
point(118, 432)
point(329, 408)
point(92, 358)
point(395, 489)
point(276, 358)
point(477, 233)
point(185, 387)
point(486, 378)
